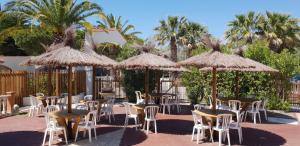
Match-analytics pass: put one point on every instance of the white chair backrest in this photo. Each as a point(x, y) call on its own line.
point(88, 97)
point(127, 108)
point(241, 117)
point(110, 103)
point(223, 121)
point(150, 112)
point(264, 103)
point(91, 118)
point(50, 122)
point(197, 118)
point(198, 107)
point(234, 104)
point(92, 105)
point(52, 100)
point(82, 107)
point(255, 106)
point(138, 96)
point(218, 102)
point(165, 99)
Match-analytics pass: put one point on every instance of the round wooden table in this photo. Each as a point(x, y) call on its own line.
point(107, 94)
point(64, 119)
point(140, 111)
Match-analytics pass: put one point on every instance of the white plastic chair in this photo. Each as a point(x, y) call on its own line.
point(199, 126)
point(88, 124)
point(107, 109)
point(222, 126)
point(52, 128)
point(166, 103)
point(94, 105)
point(36, 107)
point(129, 115)
point(263, 109)
point(235, 106)
point(139, 99)
point(254, 111)
point(176, 103)
point(50, 108)
point(237, 126)
point(150, 116)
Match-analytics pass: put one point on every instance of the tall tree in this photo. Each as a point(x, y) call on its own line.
point(168, 30)
point(190, 36)
point(246, 28)
point(57, 15)
point(281, 30)
point(127, 30)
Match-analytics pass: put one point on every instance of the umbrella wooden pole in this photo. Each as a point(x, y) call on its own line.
point(214, 87)
point(70, 89)
point(237, 89)
point(49, 84)
point(147, 85)
point(157, 77)
point(57, 82)
point(93, 82)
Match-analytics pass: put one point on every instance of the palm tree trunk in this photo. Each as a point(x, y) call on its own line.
point(173, 49)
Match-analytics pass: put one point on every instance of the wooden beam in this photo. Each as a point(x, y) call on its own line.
point(70, 89)
point(93, 82)
point(214, 87)
point(147, 85)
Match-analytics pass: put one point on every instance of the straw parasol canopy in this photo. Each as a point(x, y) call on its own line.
point(104, 60)
point(146, 61)
point(215, 60)
point(65, 56)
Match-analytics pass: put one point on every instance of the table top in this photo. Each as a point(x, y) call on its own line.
point(161, 94)
point(106, 93)
point(100, 101)
point(142, 106)
point(64, 113)
point(46, 97)
point(243, 100)
point(213, 113)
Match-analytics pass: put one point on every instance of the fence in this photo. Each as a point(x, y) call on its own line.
point(25, 84)
point(295, 96)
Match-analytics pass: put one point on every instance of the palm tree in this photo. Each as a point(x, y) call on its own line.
point(169, 30)
point(57, 15)
point(246, 28)
point(115, 22)
point(190, 36)
point(281, 31)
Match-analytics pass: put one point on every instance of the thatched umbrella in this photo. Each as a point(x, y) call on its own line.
point(147, 61)
point(215, 59)
point(65, 56)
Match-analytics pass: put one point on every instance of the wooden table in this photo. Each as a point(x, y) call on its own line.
point(140, 111)
point(246, 102)
point(101, 101)
point(64, 119)
point(107, 94)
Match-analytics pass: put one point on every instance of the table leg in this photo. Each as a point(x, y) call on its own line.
point(141, 116)
point(75, 126)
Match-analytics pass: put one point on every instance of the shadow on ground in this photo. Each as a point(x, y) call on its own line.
point(21, 138)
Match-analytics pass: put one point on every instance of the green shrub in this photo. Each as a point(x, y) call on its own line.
point(275, 103)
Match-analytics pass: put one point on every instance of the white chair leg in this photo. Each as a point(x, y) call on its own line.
point(155, 126)
point(76, 135)
point(95, 133)
point(65, 133)
point(84, 133)
point(259, 117)
point(90, 135)
point(50, 138)
point(220, 138)
point(211, 135)
point(193, 133)
point(135, 122)
point(254, 115)
point(126, 121)
point(266, 116)
point(169, 109)
point(164, 108)
point(45, 135)
point(240, 135)
point(228, 137)
point(148, 125)
point(198, 135)
point(245, 118)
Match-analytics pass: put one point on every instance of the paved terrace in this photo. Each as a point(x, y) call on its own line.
point(173, 130)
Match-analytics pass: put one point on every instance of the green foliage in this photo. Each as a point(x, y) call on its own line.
point(134, 80)
point(275, 103)
point(125, 52)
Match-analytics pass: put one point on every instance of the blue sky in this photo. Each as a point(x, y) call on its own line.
point(215, 14)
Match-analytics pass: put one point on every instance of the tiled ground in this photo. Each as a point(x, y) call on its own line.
point(173, 130)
